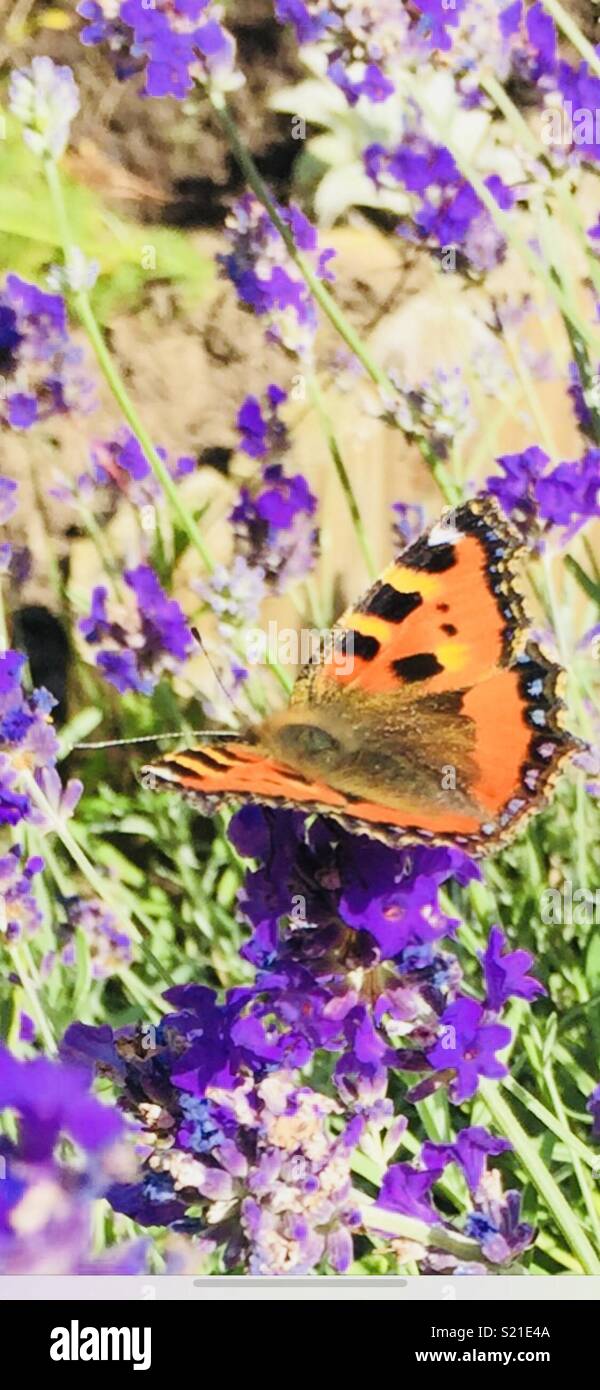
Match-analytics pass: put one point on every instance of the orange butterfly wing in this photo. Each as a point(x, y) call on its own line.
point(444, 615)
point(435, 650)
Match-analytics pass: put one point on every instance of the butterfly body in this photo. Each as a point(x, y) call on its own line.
point(431, 717)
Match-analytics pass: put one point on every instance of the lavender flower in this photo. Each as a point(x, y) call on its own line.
point(273, 517)
point(469, 1151)
point(110, 949)
point(516, 490)
point(8, 506)
point(27, 739)
point(119, 467)
point(46, 1206)
point(270, 1184)
point(438, 410)
point(62, 801)
point(27, 1028)
point(242, 1151)
point(496, 1222)
point(40, 365)
point(139, 646)
point(494, 1218)
point(467, 1047)
point(263, 434)
point(506, 973)
point(367, 42)
point(45, 99)
point(567, 496)
point(510, 39)
point(8, 498)
point(358, 969)
point(584, 401)
point(447, 211)
point(77, 274)
point(173, 42)
point(388, 894)
point(234, 594)
point(405, 1189)
point(580, 91)
point(265, 277)
point(20, 913)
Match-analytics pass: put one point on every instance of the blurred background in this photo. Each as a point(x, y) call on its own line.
point(149, 185)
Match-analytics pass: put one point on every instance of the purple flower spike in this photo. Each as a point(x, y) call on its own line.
point(51, 1100)
point(153, 638)
point(506, 973)
point(470, 1152)
point(265, 277)
point(468, 1046)
point(41, 366)
point(174, 43)
point(47, 1202)
point(273, 515)
point(406, 1190)
point(446, 210)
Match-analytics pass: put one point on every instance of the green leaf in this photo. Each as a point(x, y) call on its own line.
point(131, 257)
point(567, 1219)
point(83, 973)
point(592, 962)
point(588, 585)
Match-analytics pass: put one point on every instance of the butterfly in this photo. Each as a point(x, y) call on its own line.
point(432, 716)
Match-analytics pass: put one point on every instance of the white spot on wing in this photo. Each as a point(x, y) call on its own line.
point(152, 774)
point(443, 533)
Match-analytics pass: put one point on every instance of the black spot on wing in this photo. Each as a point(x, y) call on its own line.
point(433, 559)
point(449, 629)
point(417, 668)
point(358, 644)
point(387, 602)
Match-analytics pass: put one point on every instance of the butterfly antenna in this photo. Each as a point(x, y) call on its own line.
point(181, 734)
point(156, 738)
point(203, 648)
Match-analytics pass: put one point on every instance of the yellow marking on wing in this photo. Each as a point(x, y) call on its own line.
point(453, 654)
point(406, 581)
point(368, 626)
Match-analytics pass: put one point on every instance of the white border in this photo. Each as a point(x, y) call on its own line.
point(167, 1288)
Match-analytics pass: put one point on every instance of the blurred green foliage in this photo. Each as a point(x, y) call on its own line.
point(131, 256)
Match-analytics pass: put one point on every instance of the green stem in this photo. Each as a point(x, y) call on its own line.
point(335, 315)
point(578, 1168)
point(524, 135)
point(587, 377)
point(319, 291)
point(96, 535)
point(113, 377)
point(341, 470)
point(503, 220)
point(541, 1112)
point(409, 1228)
point(566, 1219)
point(100, 886)
point(525, 380)
point(19, 957)
point(571, 31)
